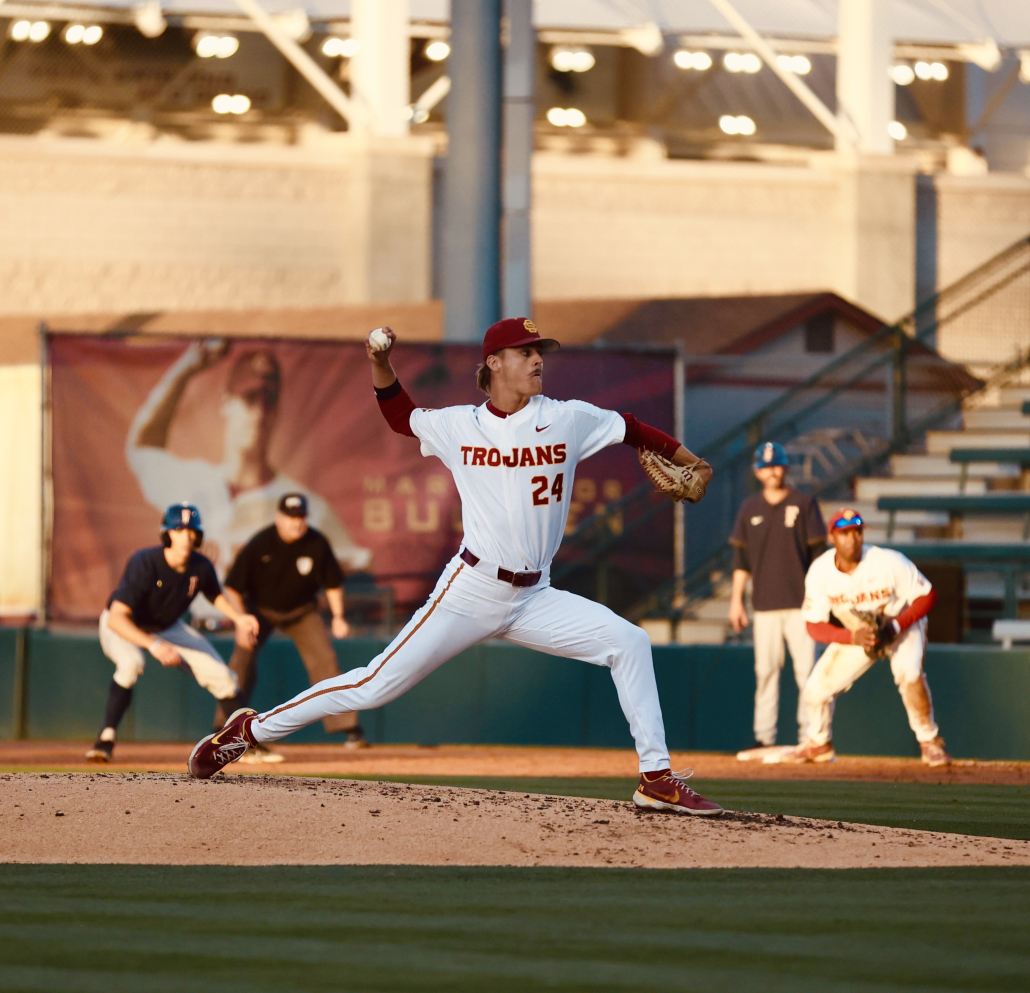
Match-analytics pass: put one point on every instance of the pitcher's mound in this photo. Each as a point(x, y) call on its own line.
point(274, 820)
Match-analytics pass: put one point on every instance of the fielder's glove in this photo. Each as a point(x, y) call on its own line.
point(679, 482)
point(886, 632)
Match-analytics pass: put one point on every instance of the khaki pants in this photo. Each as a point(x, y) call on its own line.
point(839, 667)
point(198, 656)
point(307, 631)
point(772, 629)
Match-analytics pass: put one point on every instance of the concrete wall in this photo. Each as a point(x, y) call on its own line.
point(89, 226)
point(628, 228)
point(977, 217)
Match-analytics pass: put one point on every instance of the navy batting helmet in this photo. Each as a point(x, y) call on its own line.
point(181, 516)
point(770, 453)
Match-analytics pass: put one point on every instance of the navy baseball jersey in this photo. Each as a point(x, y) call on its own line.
point(156, 594)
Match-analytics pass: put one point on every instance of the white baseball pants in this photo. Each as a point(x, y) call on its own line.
point(197, 652)
point(771, 629)
point(839, 667)
point(470, 605)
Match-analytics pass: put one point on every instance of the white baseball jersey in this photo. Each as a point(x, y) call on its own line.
point(514, 474)
point(884, 582)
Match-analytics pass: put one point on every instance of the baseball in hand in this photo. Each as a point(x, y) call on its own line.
point(379, 340)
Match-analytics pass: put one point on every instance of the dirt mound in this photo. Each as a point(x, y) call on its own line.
point(274, 820)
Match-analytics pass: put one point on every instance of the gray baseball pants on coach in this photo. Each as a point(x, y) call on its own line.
point(771, 629)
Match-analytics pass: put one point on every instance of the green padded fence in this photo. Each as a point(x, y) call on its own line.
point(501, 694)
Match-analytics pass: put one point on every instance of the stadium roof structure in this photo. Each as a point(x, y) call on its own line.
point(944, 22)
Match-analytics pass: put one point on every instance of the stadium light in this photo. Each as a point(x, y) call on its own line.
point(570, 58)
point(902, 74)
point(437, 51)
point(742, 62)
point(209, 45)
point(932, 70)
point(897, 130)
point(692, 60)
point(149, 20)
point(566, 117)
point(340, 48)
point(82, 34)
point(230, 103)
point(797, 64)
point(29, 30)
point(740, 124)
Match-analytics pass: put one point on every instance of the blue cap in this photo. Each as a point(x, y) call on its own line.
point(182, 515)
point(770, 453)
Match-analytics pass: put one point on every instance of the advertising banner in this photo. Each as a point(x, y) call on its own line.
point(231, 426)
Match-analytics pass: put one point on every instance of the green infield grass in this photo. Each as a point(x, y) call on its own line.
point(993, 811)
point(156, 929)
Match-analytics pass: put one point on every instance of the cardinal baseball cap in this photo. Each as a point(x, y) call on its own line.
point(770, 453)
point(513, 332)
point(846, 519)
point(294, 505)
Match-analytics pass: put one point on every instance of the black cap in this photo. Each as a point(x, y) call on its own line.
point(294, 505)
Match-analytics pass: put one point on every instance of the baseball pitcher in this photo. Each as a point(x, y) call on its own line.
point(880, 601)
point(513, 460)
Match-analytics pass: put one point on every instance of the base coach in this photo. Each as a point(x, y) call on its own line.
point(278, 575)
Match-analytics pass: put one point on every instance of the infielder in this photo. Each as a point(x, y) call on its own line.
point(276, 577)
point(145, 612)
point(513, 460)
point(882, 600)
point(776, 535)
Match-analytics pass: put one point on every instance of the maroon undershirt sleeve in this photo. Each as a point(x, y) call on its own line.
point(396, 407)
point(640, 435)
point(916, 610)
point(824, 632)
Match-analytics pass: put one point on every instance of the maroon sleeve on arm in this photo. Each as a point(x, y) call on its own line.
point(824, 632)
point(396, 407)
point(916, 611)
point(640, 435)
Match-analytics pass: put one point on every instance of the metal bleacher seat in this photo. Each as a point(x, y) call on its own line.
point(999, 456)
point(956, 507)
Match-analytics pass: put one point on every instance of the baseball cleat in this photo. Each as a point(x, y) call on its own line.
point(100, 752)
point(670, 792)
point(260, 755)
point(356, 738)
point(809, 752)
point(934, 753)
point(216, 751)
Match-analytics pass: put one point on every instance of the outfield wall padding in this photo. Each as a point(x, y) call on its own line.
point(497, 693)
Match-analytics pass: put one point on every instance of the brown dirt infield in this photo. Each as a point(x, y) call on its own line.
point(472, 760)
point(169, 819)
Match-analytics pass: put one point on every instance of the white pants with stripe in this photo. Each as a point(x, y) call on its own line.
point(197, 653)
point(839, 667)
point(772, 629)
point(469, 605)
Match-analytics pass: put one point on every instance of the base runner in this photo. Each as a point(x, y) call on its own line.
point(144, 614)
point(513, 460)
point(882, 600)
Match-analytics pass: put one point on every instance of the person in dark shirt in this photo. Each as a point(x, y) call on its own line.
point(277, 576)
point(145, 612)
point(777, 534)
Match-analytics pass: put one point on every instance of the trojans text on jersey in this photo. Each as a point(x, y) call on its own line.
point(543, 455)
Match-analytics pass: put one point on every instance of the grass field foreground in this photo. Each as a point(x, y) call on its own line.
point(149, 928)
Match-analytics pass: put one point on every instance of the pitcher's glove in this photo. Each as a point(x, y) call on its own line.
point(679, 482)
point(886, 632)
